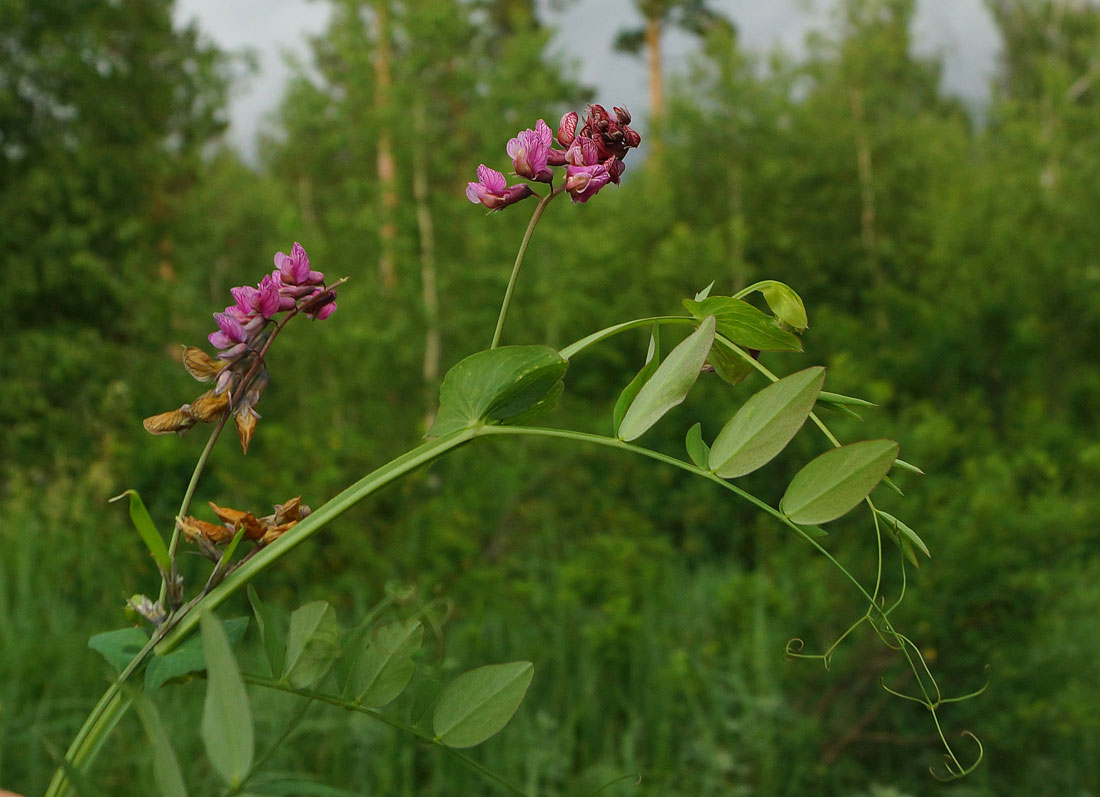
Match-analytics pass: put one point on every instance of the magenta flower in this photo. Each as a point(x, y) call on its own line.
point(493, 190)
point(582, 182)
point(231, 339)
point(529, 152)
point(262, 301)
point(293, 269)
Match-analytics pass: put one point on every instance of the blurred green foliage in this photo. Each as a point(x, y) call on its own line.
point(950, 266)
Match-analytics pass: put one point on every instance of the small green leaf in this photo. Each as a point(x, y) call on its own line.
point(744, 324)
point(696, 448)
point(765, 423)
point(626, 398)
point(897, 527)
point(670, 383)
point(187, 658)
point(703, 294)
point(166, 767)
point(312, 644)
point(730, 366)
point(383, 665)
point(227, 730)
point(825, 397)
point(783, 301)
point(901, 463)
point(120, 646)
point(139, 515)
point(833, 483)
point(271, 632)
point(496, 385)
point(425, 697)
point(477, 704)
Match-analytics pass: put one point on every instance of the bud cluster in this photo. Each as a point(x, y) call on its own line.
point(592, 156)
point(262, 531)
point(244, 328)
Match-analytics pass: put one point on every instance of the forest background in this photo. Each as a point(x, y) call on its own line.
point(950, 264)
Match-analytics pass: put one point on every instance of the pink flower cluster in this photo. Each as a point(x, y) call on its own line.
point(292, 281)
point(238, 372)
point(593, 157)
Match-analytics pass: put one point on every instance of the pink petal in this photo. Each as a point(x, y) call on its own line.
point(493, 180)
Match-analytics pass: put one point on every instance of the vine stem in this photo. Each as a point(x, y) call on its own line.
point(519, 261)
point(271, 683)
point(612, 442)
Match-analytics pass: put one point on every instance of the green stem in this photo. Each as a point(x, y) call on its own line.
point(316, 521)
point(596, 337)
point(112, 705)
point(98, 725)
point(519, 261)
point(332, 700)
point(185, 504)
point(611, 442)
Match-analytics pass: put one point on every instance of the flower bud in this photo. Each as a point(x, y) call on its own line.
point(567, 128)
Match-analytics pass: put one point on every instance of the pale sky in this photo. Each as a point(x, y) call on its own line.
point(961, 30)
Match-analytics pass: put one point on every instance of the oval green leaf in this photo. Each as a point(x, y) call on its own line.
point(697, 449)
point(120, 646)
point(187, 658)
point(166, 766)
point(744, 324)
point(783, 301)
point(728, 363)
point(271, 632)
point(227, 731)
point(477, 704)
point(833, 483)
point(496, 385)
point(626, 398)
point(765, 423)
point(311, 644)
point(383, 665)
point(670, 383)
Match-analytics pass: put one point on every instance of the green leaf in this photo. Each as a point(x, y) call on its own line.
point(833, 483)
point(540, 407)
point(730, 366)
point(166, 767)
point(901, 463)
point(825, 397)
point(765, 423)
point(897, 527)
point(312, 644)
point(383, 664)
point(139, 515)
point(188, 657)
point(670, 383)
point(703, 294)
point(696, 448)
point(227, 730)
point(477, 704)
point(120, 646)
point(744, 324)
point(271, 632)
point(496, 386)
point(425, 697)
point(626, 398)
point(783, 301)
